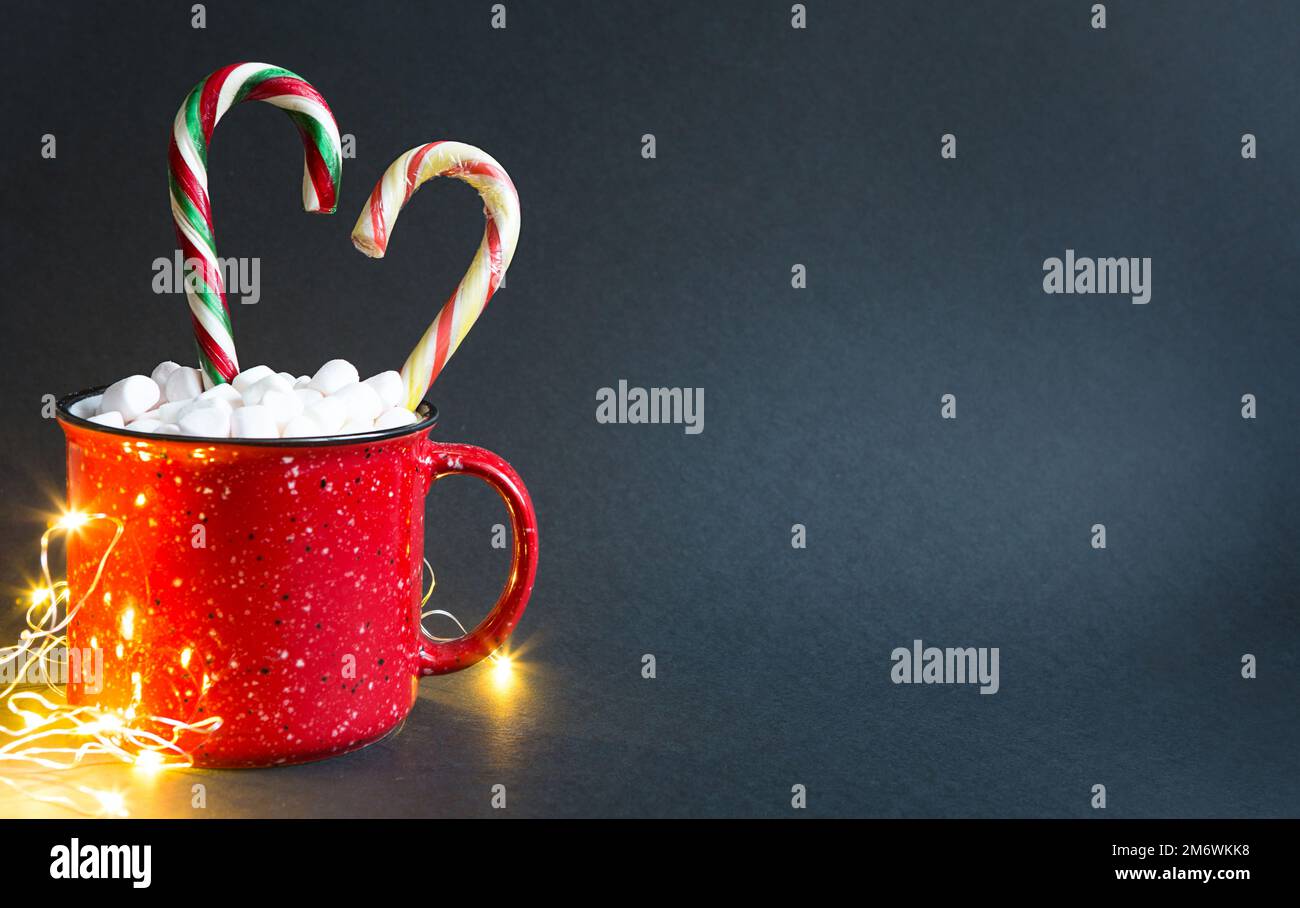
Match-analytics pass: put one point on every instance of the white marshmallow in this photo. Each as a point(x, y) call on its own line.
point(352, 426)
point(253, 395)
point(144, 424)
point(111, 418)
point(302, 426)
point(335, 374)
point(183, 384)
point(132, 397)
point(308, 396)
point(204, 403)
point(224, 392)
point(210, 422)
point(362, 401)
point(169, 411)
point(395, 417)
point(329, 414)
point(205, 379)
point(302, 381)
point(249, 377)
point(162, 371)
point(168, 429)
point(388, 385)
point(284, 406)
point(254, 422)
point(86, 407)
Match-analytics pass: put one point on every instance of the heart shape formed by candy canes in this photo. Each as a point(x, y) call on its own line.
point(500, 236)
point(187, 164)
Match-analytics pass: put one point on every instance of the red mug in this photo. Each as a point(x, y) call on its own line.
point(274, 583)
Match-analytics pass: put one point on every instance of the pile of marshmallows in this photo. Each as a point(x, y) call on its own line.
point(259, 403)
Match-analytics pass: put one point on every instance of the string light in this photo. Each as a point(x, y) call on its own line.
point(502, 665)
point(52, 736)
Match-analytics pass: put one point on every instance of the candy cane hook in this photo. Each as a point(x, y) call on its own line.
point(187, 163)
point(500, 236)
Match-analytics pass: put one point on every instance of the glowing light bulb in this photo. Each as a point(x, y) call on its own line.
point(149, 761)
point(111, 802)
point(140, 500)
point(72, 520)
point(41, 595)
point(502, 670)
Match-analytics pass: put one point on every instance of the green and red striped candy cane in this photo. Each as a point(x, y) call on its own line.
point(187, 164)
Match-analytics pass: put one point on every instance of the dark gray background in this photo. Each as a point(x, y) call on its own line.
point(775, 146)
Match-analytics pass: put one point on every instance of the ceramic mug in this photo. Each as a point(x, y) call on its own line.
point(275, 583)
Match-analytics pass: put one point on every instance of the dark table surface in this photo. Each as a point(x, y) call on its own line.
point(775, 146)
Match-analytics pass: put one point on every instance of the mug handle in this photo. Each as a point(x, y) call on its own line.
point(438, 657)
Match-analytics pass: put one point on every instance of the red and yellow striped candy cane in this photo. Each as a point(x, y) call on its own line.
point(501, 209)
point(187, 166)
